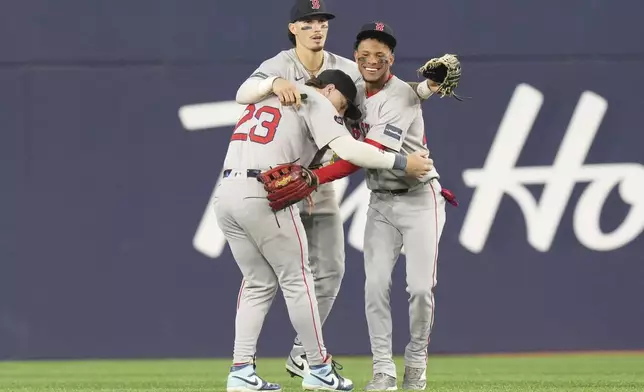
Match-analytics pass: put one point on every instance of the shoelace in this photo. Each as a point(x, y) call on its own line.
point(335, 366)
point(413, 373)
point(379, 377)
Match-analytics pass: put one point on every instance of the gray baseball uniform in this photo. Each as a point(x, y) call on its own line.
point(324, 226)
point(403, 211)
point(271, 249)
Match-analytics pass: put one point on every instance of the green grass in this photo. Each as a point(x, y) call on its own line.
point(597, 372)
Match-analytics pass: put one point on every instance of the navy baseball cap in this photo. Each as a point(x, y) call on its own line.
point(305, 9)
point(345, 85)
point(380, 31)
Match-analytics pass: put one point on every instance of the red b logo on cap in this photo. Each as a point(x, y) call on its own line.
point(315, 4)
point(380, 26)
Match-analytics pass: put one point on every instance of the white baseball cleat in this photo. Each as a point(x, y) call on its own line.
point(415, 379)
point(243, 378)
point(325, 378)
point(296, 364)
point(382, 382)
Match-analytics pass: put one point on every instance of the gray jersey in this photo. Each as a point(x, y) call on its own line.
point(393, 117)
point(268, 134)
point(286, 65)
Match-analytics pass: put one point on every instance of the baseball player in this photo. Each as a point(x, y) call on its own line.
point(281, 75)
point(403, 211)
point(270, 245)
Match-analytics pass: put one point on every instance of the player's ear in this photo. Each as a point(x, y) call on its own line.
point(391, 59)
point(292, 28)
point(355, 55)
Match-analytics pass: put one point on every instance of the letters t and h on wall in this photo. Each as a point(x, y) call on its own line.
point(498, 177)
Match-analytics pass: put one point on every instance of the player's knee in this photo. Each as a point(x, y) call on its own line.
point(267, 289)
point(330, 285)
point(328, 275)
point(377, 283)
point(272, 287)
point(337, 273)
point(420, 290)
point(293, 285)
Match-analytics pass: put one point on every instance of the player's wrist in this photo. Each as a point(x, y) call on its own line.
point(276, 79)
point(266, 85)
point(423, 90)
point(400, 162)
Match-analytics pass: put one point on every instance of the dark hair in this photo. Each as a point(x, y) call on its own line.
point(383, 39)
point(291, 38)
point(315, 82)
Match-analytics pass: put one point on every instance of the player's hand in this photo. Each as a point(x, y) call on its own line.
point(419, 164)
point(433, 86)
point(287, 92)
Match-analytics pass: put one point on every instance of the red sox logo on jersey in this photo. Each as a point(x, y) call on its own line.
point(364, 128)
point(380, 26)
point(315, 4)
point(355, 132)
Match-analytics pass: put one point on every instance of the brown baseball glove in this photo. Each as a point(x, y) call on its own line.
point(288, 184)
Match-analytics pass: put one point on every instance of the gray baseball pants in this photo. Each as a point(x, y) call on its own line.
point(414, 220)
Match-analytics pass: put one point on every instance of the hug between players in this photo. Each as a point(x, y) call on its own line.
point(313, 117)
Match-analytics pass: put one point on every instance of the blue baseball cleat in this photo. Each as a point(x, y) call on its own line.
point(325, 378)
point(243, 378)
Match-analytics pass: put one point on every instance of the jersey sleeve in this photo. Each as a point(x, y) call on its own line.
point(260, 83)
point(275, 66)
point(349, 67)
point(394, 119)
point(353, 72)
point(335, 171)
point(323, 120)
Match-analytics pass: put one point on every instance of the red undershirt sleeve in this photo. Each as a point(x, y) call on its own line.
point(375, 144)
point(339, 169)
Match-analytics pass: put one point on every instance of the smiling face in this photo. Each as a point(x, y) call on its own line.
point(374, 60)
point(310, 33)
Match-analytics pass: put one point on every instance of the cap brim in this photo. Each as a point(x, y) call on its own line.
point(353, 112)
point(327, 15)
point(386, 37)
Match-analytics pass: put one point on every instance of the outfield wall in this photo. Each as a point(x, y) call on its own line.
point(108, 247)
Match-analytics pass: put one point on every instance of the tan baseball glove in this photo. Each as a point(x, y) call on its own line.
point(444, 70)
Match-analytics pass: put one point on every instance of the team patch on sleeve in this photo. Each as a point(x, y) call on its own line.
point(260, 75)
point(393, 132)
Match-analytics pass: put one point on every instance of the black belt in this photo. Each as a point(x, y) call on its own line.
point(391, 191)
point(249, 173)
point(402, 191)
